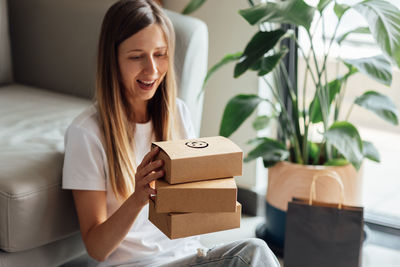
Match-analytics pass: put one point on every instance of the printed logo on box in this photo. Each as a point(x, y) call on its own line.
point(197, 144)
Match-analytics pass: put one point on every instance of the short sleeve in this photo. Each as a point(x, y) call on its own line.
point(83, 162)
point(187, 129)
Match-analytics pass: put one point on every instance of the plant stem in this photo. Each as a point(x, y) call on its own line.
point(307, 62)
point(305, 121)
point(323, 39)
point(325, 71)
point(294, 101)
point(339, 100)
point(330, 45)
point(322, 91)
point(292, 92)
point(313, 53)
point(285, 113)
point(322, 101)
point(319, 152)
point(305, 145)
point(318, 87)
point(304, 94)
point(324, 64)
point(348, 113)
point(278, 98)
point(317, 84)
point(271, 103)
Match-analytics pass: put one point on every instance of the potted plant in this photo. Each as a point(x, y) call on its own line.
point(294, 156)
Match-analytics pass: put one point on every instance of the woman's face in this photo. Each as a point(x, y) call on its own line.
point(143, 63)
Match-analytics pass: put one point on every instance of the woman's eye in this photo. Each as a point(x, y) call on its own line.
point(134, 57)
point(161, 54)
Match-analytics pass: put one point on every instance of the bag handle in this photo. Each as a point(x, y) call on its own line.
point(331, 174)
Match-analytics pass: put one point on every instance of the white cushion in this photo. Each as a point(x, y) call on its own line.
point(34, 210)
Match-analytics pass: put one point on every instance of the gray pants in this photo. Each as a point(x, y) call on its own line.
point(247, 252)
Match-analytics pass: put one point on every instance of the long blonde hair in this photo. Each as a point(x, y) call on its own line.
point(121, 21)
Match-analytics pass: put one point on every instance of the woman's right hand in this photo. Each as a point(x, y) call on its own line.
point(147, 172)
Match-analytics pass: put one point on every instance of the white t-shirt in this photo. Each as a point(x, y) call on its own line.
point(86, 168)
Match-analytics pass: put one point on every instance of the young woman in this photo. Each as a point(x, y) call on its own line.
point(108, 163)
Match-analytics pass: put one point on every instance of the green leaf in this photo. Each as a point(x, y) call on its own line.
point(225, 60)
point(345, 137)
point(376, 67)
point(323, 4)
point(270, 150)
point(352, 71)
point(261, 122)
point(260, 44)
point(193, 6)
point(370, 152)
point(289, 11)
point(384, 22)
point(315, 106)
point(238, 109)
point(312, 150)
point(362, 30)
point(340, 9)
point(336, 162)
point(379, 104)
point(256, 141)
point(268, 63)
point(334, 87)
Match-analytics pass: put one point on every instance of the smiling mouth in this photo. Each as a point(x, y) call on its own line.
point(146, 84)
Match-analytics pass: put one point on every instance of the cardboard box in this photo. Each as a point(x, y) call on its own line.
point(178, 225)
point(205, 196)
point(200, 159)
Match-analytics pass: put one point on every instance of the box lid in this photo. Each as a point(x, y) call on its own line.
point(205, 146)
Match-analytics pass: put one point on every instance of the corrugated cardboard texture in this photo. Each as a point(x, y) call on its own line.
point(200, 159)
point(178, 225)
point(218, 195)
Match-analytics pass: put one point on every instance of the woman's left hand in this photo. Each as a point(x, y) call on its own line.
point(147, 172)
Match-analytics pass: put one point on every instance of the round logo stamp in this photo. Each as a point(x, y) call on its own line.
point(197, 144)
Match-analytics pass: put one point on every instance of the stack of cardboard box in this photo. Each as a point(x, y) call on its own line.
point(198, 194)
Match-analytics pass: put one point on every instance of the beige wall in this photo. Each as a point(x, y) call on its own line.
point(228, 33)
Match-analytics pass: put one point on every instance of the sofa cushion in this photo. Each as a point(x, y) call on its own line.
point(5, 53)
point(34, 210)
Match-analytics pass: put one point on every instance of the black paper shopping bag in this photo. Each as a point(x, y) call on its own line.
point(322, 234)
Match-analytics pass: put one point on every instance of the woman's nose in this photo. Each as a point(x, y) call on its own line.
point(150, 66)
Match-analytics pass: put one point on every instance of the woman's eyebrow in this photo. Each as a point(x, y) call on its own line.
point(140, 50)
point(134, 50)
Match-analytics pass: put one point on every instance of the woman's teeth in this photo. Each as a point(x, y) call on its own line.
point(146, 83)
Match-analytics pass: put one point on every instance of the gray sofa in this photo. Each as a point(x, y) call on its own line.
point(47, 67)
